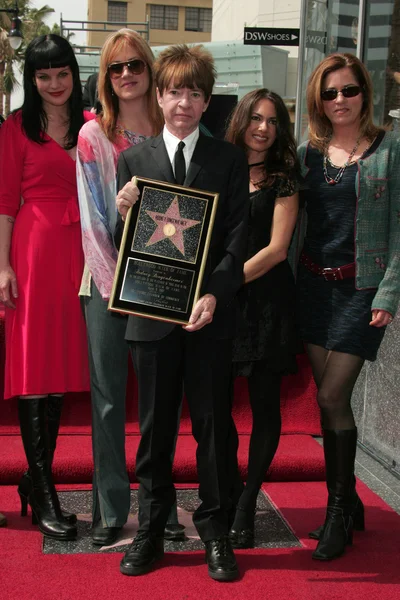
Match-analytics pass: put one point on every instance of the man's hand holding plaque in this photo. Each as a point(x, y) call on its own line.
point(203, 313)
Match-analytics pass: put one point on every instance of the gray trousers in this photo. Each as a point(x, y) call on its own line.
point(108, 362)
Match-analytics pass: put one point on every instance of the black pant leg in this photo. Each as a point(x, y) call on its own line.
point(206, 380)
point(236, 485)
point(158, 366)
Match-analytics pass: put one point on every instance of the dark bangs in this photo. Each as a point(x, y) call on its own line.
point(50, 52)
point(51, 55)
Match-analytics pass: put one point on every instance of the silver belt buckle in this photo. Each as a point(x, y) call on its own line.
point(326, 271)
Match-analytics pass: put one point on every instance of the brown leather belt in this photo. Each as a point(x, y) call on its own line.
point(329, 274)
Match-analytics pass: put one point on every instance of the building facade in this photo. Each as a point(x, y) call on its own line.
point(230, 17)
point(170, 21)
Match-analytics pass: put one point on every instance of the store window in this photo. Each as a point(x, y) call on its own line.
point(117, 12)
point(382, 57)
point(334, 27)
point(164, 17)
point(198, 19)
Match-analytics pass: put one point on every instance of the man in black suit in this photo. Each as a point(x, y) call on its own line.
point(169, 358)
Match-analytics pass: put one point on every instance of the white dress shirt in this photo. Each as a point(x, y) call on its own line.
point(171, 143)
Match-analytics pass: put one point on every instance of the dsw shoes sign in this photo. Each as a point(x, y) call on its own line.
point(271, 36)
point(278, 36)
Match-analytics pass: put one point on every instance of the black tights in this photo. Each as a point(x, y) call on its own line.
point(264, 395)
point(335, 375)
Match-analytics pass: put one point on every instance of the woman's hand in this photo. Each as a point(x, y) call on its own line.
point(380, 318)
point(127, 197)
point(8, 287)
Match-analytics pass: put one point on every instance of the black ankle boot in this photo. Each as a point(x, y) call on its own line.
point(54, 407)
point(42, 497)
point(241, 534)
point(357, 513)
point(337, 532)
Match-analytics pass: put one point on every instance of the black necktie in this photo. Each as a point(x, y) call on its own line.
point(179, 164)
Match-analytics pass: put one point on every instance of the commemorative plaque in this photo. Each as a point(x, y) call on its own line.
point(163, 251)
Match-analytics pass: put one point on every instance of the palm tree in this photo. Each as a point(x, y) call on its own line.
point(32, 26)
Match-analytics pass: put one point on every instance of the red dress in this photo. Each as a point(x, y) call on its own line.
point(46, 348)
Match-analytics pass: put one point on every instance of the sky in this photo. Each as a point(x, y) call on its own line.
point(75, 10)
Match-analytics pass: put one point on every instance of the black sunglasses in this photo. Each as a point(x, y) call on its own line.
point(135, 66)
point(349, 91)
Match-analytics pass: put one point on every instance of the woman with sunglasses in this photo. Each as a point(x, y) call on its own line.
point(265, 346)
point(349, 272)
point(41, 265)
point(130, 114)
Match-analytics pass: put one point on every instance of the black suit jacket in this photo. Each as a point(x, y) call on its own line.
point(216, 166)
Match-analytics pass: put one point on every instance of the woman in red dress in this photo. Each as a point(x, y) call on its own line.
point(41, 264)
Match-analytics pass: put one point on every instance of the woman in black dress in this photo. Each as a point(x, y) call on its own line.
point(349, 272)
point(265, 347)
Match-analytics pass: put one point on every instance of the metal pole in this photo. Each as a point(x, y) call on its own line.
point(300, 67)
point(361, 31)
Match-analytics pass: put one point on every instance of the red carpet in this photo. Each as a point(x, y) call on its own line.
point(370, 569)
point(299, 458)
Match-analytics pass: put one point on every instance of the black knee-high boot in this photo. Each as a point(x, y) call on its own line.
point(54, 407)
point(42, 497)
point(340, 453)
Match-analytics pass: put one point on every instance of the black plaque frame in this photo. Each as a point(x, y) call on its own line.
point(162, 279)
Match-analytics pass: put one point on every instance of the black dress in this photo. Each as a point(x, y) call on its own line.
point(334, 314)
point(267, 328)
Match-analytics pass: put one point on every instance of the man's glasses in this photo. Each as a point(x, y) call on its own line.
point(135, 66)
point(349, 91)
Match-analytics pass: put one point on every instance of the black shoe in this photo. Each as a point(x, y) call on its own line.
point(174, 532)
point(242, 539)
point(104, 536)
point(221, 560)
point(143, 552)
point(241, 534)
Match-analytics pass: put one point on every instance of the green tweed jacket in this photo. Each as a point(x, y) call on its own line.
point(377, 224)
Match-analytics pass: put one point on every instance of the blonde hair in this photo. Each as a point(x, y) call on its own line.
point(320, 127)
point(183, 66)
point(110, 104)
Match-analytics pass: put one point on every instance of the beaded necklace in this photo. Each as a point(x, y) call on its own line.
point(339, 174)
